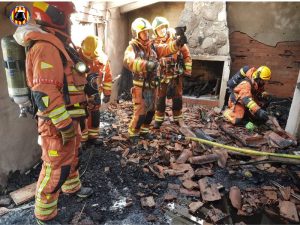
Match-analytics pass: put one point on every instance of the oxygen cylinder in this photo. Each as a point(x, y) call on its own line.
point(14, 63)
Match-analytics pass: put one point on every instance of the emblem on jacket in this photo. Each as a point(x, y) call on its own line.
point(19, 15)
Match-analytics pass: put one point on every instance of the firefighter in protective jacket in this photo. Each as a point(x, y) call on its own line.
point(141, 58)
point(173, 67)
point(99, 81)
point(57, 81)
point(246, 95)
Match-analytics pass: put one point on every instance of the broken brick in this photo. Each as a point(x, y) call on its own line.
point(174, 186)
point(203, 159)
point(169, 197)
point(216, 215)
point(204, 172)
point(285, 192)
point(235, 197)
point(272, 195)
point(148, 202)
point(289, 211)
point(209, 191)
point(189, 193)
point(186, 153)
point(189, 184)
point(194, 206)
point(181, 167)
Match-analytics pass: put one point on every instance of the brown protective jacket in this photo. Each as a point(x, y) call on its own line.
point(45, 74)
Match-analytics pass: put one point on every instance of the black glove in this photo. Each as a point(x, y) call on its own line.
point(181, 40)
point(106, 98)
point(151, 66)
point(262, 115)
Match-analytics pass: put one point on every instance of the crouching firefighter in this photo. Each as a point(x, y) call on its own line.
point(56, 78)
point(99, 81)
point(245, 95)
point(173, 67)
point(141, 59)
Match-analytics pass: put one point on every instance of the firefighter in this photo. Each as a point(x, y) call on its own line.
point(141, 59)
point(245, 97)
point(99, 81)
point(56, 79)
point(173, 67)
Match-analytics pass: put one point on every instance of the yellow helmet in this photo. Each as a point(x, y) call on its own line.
point(159, 22)
point(139, 25)
point(91, 47)
point(263, 72)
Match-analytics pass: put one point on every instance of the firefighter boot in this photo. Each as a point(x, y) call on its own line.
point(84, 192)
point(134, 140)
point(147, 136)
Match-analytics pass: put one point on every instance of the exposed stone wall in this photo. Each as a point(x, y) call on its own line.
point(207, 29)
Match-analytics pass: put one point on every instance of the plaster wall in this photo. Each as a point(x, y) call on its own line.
point(18, 136)
point(267, 22)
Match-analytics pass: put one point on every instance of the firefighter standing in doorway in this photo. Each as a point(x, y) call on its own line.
point(245, 95)
point(99, 81)
point(56, 78)
point(141, 59)
point(173, 67)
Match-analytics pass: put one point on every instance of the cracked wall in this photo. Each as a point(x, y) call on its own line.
point(267, 33)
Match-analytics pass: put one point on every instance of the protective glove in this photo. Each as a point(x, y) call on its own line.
point(106, 98)
point(262, 115)
point(67, 133)
point(181, 40)
point(151, 66)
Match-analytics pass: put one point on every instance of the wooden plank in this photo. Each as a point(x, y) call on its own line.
point(23, 194)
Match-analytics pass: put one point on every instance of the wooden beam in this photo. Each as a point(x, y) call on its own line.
point(23, 194)
point(136, 5)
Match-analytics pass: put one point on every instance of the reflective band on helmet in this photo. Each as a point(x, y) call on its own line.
point(41, 5)
point(53, 153)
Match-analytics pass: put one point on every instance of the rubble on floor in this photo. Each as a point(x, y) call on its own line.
point(172, 180)
point(195, 165)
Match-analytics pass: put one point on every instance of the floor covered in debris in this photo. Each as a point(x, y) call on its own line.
point(162, 182)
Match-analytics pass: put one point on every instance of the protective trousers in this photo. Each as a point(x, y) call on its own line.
point(91, 124)
point(235, 112)
point(59, 170)
point(176, 100)
point(141, 120)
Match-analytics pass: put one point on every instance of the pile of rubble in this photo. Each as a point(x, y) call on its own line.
point(206, 174)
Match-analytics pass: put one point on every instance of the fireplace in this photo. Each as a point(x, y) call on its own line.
point(207, 85)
